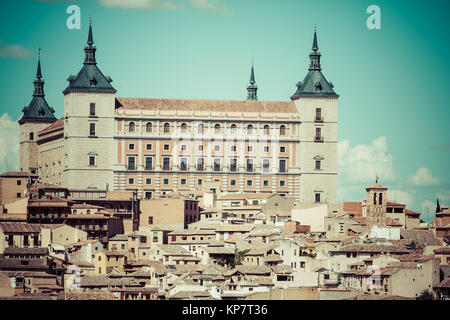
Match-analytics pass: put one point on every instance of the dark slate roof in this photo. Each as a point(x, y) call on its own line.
point(90, 78)
point(314, 84)
point(38, 109)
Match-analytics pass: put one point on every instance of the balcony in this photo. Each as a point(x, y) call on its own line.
point(233, 167)
point(131, 167)
point(282, 169)
point(183, 166)
point(216, 167)
point(166, 167)
point(200, 167)
point(249, 168)
point(318, 119)
point(318, 139)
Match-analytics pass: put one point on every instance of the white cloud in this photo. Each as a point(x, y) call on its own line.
point(9, 144)
point(14, 51)
point(362, 163)
point(423, 177)
point(213, 6)
point(400, 196)
point(428, 209)
point(141, 4)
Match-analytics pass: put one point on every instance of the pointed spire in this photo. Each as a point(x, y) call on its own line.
point(438, 207)
point(252, 88)
point(38, 83)
point(315, 55)
point(38, 72)
point(90, 41)
point(90, 49)
point(315, 47)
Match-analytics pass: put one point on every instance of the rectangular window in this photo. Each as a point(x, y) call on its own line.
point(318, 114)
point(266, 148)
point(131, 163)
point(200, 164)
point(282, 149)
point(183, 181)
point(282, 183)
point(282, 165)
point(233, 148)
point(233, 164)
point(148, 163)
point(92, 109)
point(232, 182)
point(92, 160)
point(92, 129)
point(249, 183)
point(266, 183)
point(19, 182)
point(200, 147)
point(216, 148)
point(249, 148)
point(149, 146)
point(130, 180)
point(148, 195)
point(148, 181)
point(18, 195)
point(183, 147)
point(150, 220)
point(266, 165)
point(318, 136)
point(166, 163)
point(166, 181)
point(249, 165)
point(166, 147)
point(317, 197)
point(26, 241)
point(131, 146)
point(317, 164)
point(199, 182)
point(216, 164)
point(183, 164)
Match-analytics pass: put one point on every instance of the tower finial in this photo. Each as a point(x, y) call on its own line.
point(376, 178)
point(38, 72)
point(90, 38)
point(315, 47)
point(314, 56)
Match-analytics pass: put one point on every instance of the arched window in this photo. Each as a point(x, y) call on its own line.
point(166, 127)
point(249, 129)
point(200, 128)
point(374, 198)
point(380, 198)
point(266, 129)
point(217, 128)
point(148, 127)
point(233, 129)
point(31, 136)
point(282, 130)
point(131, 127)
point(184, 127)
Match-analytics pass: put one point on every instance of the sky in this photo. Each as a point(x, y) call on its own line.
point(393, 82)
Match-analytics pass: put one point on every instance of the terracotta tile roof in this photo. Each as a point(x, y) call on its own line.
point(421, 238)
point(218, 250)
point(57, 125)
point(412, 213)
point(18, 174)
point(282, 269)
point(376, 186)
point(249, 269)
point(394, 204)
point(353, 207)
point(371, 248)
point(240, 196)
point(443, 284)
point(85, 206)
point(20, 227)
point(235, 228)
point(443, 250)
point(207, 105)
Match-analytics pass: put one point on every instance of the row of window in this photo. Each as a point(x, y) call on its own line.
point(183, 147)
point(201, 164)
point(183, 181)
point(201, 128)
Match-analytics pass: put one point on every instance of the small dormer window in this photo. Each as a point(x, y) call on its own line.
point(318, 86)
point(92, 81)
point(41, 112)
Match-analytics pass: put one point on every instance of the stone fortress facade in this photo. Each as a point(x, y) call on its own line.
point(154, 146)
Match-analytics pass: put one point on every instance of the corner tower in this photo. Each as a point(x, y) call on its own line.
point(36, 116)
point(317, 104)
point(89, 108)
